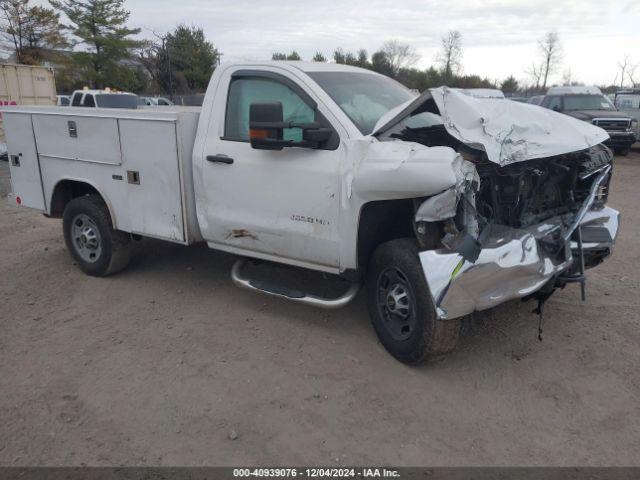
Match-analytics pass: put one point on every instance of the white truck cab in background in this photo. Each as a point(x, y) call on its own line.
point(441, 204)
point(103, 98)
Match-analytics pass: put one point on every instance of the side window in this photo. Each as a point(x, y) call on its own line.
point(245, 91)
point(77, 98)
point(89, 101)
point(553, 103)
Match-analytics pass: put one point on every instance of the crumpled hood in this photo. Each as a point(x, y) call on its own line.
point(507, 131)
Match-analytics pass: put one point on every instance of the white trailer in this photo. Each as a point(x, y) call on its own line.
point(27, 85)
point(441, 204)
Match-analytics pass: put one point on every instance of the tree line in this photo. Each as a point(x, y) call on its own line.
point(91, 44)
point(397, 60)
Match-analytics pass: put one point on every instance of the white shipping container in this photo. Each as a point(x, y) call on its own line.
point(26, 85)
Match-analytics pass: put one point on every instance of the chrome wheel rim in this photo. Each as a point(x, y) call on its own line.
point(86, 238)
point(396, 303)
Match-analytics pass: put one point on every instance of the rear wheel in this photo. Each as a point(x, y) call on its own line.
point(91, 240)
point(401, 308)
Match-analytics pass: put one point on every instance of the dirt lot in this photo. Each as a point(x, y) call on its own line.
point(157, 365)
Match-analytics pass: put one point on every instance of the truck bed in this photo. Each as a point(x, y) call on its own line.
point(138, 160)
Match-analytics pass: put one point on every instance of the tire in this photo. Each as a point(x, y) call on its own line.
point(623, 151)
point(97, 248)
point(409, 328)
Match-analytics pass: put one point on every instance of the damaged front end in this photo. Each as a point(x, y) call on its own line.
point(516, 224)
point(518, 254)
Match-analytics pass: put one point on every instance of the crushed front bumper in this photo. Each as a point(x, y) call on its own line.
point(512, 264)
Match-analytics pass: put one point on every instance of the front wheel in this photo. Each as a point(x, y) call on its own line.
point(98, 249)
point(401, 308)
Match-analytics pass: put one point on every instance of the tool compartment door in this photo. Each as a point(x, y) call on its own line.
point(152, 173)
point(26, 182)
point(78, 138)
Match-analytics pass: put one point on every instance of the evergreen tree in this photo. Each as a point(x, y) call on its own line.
point(319, 57)
point(99, 25)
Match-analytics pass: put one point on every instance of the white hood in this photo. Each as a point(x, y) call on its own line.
point(507, 131)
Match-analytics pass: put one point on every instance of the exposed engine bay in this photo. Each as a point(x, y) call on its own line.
point(516, 223)
point(527, 193)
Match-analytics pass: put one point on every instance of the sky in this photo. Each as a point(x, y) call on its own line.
point(499, 36)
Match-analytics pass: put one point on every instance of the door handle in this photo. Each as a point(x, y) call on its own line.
point(220, 158)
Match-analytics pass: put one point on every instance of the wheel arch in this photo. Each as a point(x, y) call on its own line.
point(66, 189)
point(384, 220)
point(380, 221)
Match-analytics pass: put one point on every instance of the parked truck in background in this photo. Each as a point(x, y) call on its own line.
point(439, 204)
point(103, 98)
point(590, 105)
point(628, 101)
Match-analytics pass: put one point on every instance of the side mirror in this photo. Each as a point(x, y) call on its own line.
point(265, 126)
point(556, 108)
point(266, 129)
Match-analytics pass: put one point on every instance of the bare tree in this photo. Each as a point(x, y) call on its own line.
point(450, 57)
point(535, 72)
point(551, 53)
point(629, 68)
point(631, 73)
point(399, 55)
point(30, 31)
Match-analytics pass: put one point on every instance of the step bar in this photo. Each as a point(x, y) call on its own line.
point(293, 295)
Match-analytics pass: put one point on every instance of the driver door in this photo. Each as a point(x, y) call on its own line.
point(275, 204)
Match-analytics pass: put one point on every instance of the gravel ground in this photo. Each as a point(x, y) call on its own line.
point(168, 363)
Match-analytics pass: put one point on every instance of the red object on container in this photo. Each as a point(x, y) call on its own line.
point(18, 200)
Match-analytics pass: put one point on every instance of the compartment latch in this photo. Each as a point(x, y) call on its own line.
point(73, 129)
point(133, 177)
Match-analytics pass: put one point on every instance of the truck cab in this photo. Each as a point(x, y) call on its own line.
point(105, 98)
point(590, 105)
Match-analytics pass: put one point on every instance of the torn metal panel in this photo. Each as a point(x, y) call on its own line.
point(444, 205)
point(439, 207)
point(608, 220)
point(512, 264)
point(508, 132)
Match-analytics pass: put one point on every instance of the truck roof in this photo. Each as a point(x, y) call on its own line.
point(304, 66)
point(102, 92)
point(574, 90)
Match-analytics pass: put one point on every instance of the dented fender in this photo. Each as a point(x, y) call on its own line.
point(397, 169)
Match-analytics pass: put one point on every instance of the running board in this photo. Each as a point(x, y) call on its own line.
point(291, 294)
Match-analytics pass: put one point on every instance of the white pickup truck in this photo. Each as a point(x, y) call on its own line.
point(441, 204)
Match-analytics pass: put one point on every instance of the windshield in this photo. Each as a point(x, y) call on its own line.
point(587, 102)
point(116, 100)
point(364, 97)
